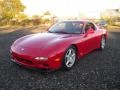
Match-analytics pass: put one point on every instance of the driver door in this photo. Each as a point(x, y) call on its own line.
point(89, 37)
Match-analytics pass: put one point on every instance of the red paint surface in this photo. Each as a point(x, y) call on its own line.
point(53, 46)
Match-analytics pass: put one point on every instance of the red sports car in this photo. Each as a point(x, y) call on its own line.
point(63, 44)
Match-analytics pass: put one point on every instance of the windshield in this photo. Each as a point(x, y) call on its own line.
point(67, 27)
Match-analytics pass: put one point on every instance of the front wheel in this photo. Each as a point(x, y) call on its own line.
point(69, 58)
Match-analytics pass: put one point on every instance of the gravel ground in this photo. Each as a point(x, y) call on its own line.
point(99, 70)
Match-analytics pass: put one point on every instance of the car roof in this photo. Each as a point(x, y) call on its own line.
point(84, 21)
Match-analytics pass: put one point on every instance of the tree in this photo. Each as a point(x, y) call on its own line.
point(9, 9)
point(36, 19)
point(21, 17)
point(47, 13)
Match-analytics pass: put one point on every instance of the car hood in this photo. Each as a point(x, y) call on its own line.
point(41, 40)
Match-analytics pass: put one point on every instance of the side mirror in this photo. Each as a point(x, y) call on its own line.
point(89, 31)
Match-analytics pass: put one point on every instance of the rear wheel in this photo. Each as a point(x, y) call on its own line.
point(103, 43)
point(69, 58)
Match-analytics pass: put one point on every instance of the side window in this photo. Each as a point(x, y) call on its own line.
point(93, 26)
point(90, 25)
point(86, 27)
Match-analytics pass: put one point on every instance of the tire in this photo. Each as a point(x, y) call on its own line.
point(69, 58)
point(102, 43)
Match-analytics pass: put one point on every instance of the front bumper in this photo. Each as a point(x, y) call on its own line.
point(28, 62)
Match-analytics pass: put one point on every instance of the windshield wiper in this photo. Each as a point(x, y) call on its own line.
point(50, 32)
point(61, 32)
point(57, 32)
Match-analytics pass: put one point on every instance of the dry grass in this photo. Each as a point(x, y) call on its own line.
point(32, 29)
point(115, 27)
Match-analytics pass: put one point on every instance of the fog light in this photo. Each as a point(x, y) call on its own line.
point(41, 58)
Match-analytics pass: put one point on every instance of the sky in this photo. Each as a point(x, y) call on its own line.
point(69, 8)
